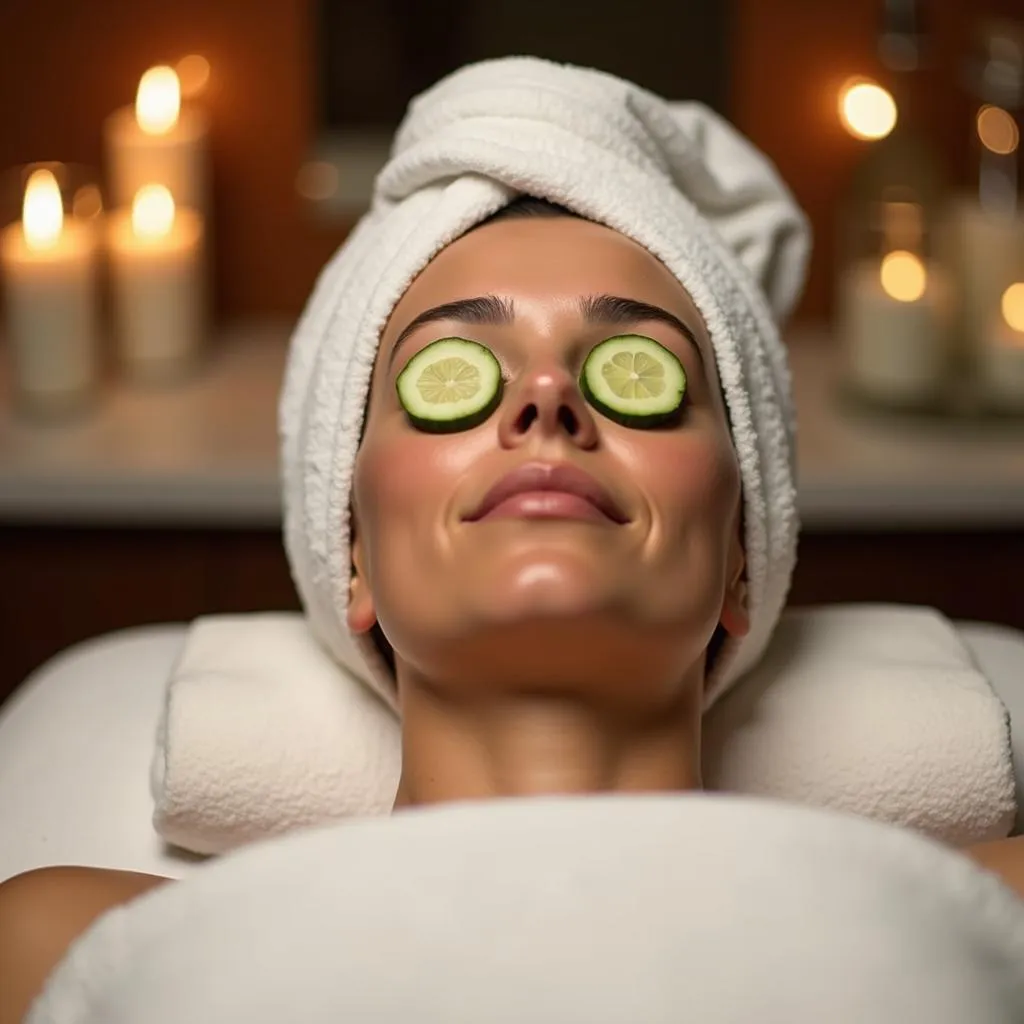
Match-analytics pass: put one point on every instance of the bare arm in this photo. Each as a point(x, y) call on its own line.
point(1003, 857)
point(41, 913)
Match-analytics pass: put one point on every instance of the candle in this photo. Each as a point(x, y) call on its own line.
point(893, 316)
point(985, 252)
point(1001, 357)
point(158, 142)
point(49, 271)
point(155, 251)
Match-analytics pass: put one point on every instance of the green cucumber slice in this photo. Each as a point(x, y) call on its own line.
point(452, 384)
point(634, 381)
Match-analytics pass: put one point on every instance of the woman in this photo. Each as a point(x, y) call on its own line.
point(549, 579)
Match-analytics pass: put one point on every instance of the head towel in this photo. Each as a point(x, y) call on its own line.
point(674, 177)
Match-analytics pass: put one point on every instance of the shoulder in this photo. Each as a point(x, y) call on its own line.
point(42, 912)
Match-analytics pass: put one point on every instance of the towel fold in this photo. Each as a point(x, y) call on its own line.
point(875, 710)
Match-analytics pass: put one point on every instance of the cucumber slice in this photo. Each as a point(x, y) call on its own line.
point(452, 384)
point(634, 381)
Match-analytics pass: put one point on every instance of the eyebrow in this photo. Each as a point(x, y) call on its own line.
point(491, 310)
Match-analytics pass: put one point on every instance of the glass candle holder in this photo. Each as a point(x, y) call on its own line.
point(894, 305)
point(1000, 356)
point(50, 232)
point(984, 244)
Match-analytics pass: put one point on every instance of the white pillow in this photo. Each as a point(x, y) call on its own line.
point(874, 709)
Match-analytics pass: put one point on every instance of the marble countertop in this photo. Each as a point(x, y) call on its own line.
point(204, 452)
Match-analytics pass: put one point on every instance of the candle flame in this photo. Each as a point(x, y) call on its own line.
point(158, 100)
point(152, 212)
point(866, 110)
point(903, 276)
point(1013, 306)
point(42, 210)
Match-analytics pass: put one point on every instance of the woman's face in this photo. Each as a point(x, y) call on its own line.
point(622, 607)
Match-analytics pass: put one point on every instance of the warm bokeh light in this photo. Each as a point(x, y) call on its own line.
point(152, 211)
point(903, 276)
point(88, 202)
point(866, 109)
point(158, 100)
point(1013, 306)
point(317, 179)
point(193, 74)
point(997, 130)
point(43, 210)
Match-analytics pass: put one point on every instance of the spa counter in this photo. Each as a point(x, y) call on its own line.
point(204, 454)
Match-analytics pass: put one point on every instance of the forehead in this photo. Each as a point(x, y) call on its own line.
point(548, 263)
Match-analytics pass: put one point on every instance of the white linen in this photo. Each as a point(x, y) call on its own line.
point(554, 911)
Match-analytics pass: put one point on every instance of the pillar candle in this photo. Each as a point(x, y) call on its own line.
point(156, 252)
point(893, 316)
point(985, 254)
point(158, 142)
point(1001, 355)
point(49, 271)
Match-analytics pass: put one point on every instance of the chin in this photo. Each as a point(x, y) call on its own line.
point(549, 586)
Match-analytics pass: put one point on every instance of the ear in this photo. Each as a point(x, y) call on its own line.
point(735, 617)
point(360, 614)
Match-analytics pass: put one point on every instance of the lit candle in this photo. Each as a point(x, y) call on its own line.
point(49, 270)
point(893, 316)
point(985, 252)
point(1001, 357)
point(158, 142)
point(155, 251)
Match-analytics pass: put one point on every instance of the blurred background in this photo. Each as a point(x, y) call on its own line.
point(174, 175)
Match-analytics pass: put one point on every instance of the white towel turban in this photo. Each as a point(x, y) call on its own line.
point(674, 177)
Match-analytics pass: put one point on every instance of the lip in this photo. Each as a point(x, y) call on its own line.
point(536, 478)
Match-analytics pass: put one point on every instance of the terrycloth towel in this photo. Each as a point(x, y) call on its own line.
point(609, 910)
point(876, 710)
point(674, 177)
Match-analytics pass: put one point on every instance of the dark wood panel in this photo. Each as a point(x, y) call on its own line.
point(966, 575)
point(61, 586)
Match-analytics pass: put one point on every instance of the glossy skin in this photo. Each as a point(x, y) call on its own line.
point(536, 652)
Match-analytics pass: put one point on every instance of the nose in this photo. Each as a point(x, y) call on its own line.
point(547, 401)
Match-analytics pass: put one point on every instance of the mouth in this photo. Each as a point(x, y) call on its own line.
point(540, 490)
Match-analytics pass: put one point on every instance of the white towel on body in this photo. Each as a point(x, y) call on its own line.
point(608, 910)
point(674, 177)
point(876, 710)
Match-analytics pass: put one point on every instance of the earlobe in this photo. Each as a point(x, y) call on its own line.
point(735, 616)
point(360, 614)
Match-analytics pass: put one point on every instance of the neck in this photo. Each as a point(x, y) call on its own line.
point(522, 745)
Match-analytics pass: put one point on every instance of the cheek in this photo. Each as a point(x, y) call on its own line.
point(691, 479)
point(405, 483)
